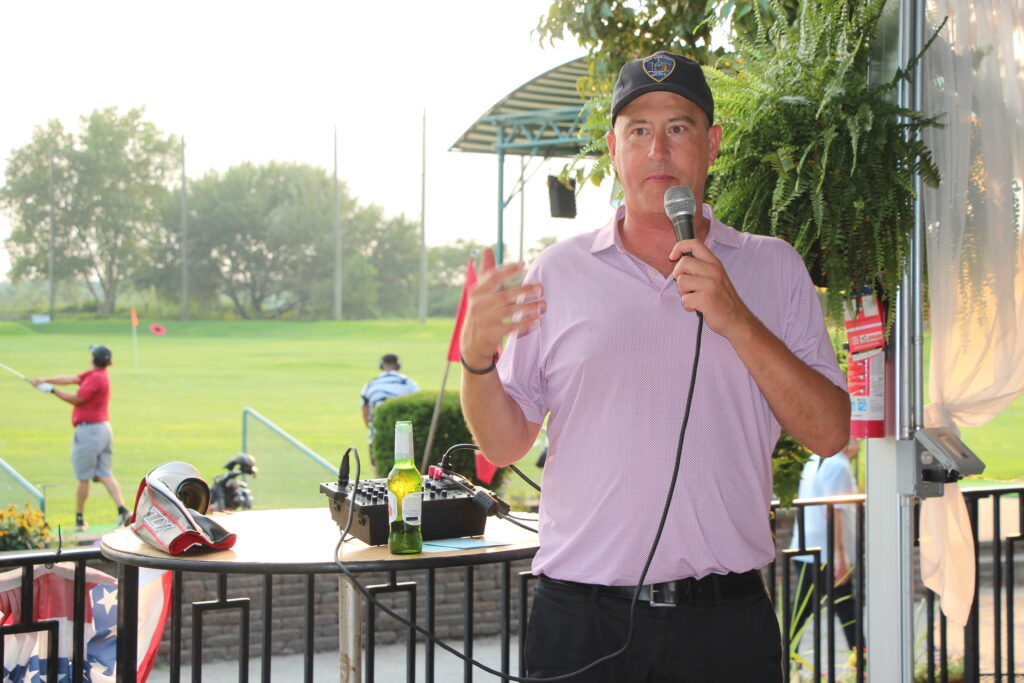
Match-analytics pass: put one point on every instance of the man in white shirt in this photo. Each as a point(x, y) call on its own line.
point(822, 477)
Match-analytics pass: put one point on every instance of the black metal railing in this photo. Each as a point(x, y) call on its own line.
point(822, 597)
point(995, 560)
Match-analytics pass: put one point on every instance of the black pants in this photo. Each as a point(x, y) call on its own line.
point(730, 641)
point(803, 603)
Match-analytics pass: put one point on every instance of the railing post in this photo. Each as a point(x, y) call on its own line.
point(127, 622)
point(350, 631)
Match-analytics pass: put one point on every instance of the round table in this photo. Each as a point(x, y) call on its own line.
point(299, 541)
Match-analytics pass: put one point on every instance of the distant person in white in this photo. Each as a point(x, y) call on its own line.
point(390, 383)
point(823, 477)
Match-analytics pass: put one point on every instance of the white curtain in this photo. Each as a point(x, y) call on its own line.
point(973, 75)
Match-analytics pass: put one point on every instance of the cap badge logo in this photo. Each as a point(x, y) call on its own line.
point(659, 67)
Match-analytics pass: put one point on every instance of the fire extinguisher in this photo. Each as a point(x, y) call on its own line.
point(865, 380)
point(865, 375)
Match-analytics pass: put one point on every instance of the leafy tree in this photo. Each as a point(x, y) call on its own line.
point(259, 230)
point(819, 155)
point(109, 182)
point(393, 250)
point(614, 31)
point(446, 266)
point(261, 238)
point(162, 273)
point(26, 197)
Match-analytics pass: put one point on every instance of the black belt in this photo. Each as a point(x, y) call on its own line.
point(712, 589)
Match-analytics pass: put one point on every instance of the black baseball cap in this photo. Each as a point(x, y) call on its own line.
point(663, 71)
point(101, 355)
point(389, 359)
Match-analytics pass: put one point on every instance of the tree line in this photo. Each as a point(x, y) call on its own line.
point(258, 241)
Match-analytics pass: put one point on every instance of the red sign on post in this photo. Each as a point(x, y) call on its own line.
point(865, 327)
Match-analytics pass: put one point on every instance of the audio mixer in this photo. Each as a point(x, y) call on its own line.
point(449, 511)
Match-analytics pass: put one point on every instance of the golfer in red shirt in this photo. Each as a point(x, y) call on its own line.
point(93, 446)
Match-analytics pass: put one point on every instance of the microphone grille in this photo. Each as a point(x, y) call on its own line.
point(679, 199)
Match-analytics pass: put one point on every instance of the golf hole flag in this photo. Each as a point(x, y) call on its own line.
point(484, 469)
point(26, 655)
point(453, 347)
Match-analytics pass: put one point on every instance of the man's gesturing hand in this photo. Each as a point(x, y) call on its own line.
point(704, 286)
point(494, 311)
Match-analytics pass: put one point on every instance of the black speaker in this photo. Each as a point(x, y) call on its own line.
point(562, 198)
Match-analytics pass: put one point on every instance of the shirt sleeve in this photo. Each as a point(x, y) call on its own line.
point(520, 366)
point(805, 332)
point(88, 387)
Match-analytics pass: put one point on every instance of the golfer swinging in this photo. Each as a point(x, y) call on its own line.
point(93, 446)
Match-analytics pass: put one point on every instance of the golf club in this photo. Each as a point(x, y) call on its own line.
point(15, 372)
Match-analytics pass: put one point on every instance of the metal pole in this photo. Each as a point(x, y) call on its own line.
point(499, 254)
point(892, 461)
point(522, 204)
point(184, 236)
point(336, 223)
point(423, 225)
point(917, 241)
point(52, 266)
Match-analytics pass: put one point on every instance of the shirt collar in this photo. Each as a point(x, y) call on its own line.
point(719, 231)
point(608, 236)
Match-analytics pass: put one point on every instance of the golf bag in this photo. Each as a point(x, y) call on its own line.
point(230, 491)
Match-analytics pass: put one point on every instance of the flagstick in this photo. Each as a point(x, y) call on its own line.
point(453, 350)
point(433, 419)
point(135, 344)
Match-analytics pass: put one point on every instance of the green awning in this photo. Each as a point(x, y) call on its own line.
point(539, 118)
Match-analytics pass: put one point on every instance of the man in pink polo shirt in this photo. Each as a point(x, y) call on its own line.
point(602, 335)
point(93, 446)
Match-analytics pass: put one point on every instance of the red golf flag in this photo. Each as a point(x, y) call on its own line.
point(484, 469)
point(453, 348)
point(135, 319)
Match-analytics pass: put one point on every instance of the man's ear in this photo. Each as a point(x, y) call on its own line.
point(714, 142)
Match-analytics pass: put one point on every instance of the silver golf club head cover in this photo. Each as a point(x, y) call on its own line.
point(169, 511)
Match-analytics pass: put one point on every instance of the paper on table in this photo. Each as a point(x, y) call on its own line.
point(448, 544)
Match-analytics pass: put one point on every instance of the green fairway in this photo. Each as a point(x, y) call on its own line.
point(184, 401)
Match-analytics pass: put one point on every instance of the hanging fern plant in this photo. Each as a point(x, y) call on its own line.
point(816, 154)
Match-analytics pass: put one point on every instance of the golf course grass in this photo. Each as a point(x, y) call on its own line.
point(181, 397)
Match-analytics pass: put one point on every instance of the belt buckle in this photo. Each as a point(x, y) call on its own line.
point(663, 594)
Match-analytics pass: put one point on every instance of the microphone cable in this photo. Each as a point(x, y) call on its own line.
point(643, 575)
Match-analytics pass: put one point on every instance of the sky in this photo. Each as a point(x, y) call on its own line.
point(261, 81)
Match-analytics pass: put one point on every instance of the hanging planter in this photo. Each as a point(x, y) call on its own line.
point(815, 154)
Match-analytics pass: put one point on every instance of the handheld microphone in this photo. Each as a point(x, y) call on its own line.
point(679, 207)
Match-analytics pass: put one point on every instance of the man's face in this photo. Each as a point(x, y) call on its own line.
point(661, 139)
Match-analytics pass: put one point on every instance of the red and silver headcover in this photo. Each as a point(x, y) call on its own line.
point(169, 511)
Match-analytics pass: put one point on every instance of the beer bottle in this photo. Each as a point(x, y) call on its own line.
point(405, 496)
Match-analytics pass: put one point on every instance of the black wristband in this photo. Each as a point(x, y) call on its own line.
point(494, 360)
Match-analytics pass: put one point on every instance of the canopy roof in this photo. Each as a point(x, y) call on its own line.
point(540, 117)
